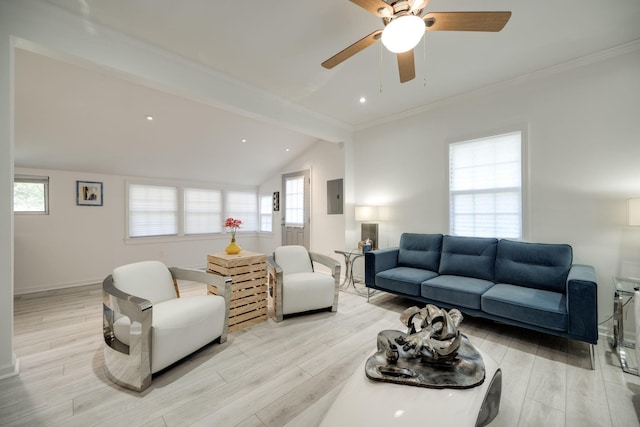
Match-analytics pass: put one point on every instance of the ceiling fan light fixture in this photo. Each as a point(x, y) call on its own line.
point(403, 33)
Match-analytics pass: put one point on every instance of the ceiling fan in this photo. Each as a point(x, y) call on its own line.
point(404, 27)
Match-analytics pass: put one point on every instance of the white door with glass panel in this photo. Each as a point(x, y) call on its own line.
point(295, 209)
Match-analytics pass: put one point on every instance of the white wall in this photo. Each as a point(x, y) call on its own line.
point(77, 245)
point(583, 156)
point(44, 28)
point(325, 160)
point(8, 363)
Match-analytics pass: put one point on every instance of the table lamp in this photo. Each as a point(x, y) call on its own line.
point(368, 230)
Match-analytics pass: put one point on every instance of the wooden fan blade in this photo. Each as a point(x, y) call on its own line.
point(352, 50)
point(406, 66)
point(466, 21)
point(377, 7)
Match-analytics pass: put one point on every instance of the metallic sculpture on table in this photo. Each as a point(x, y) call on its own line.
point(450, 383)
point(433, 353)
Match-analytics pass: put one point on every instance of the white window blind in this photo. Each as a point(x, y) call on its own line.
point(153, 210)
point(266, 217)
point(294, 211)
point(31, 194)
point(202, 211)
point(243, 205)
point(485, 187)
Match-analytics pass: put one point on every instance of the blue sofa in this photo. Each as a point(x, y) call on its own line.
point(531, 285)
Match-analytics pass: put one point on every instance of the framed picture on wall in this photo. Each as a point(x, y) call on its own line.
point(88, 193)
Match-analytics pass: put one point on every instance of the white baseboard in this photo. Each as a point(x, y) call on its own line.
point(10, 370)
point(55, 286)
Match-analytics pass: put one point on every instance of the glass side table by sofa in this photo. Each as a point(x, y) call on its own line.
point(624, 289)
point(349, 258)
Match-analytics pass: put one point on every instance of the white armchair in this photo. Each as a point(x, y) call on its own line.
point(296, 287)
point(148, 327)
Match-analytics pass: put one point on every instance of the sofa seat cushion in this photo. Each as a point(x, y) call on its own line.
point(178, 324)
point(468, 256)
point(307, 291)
point(405, 280)
point(456, 290)
point(545, 309)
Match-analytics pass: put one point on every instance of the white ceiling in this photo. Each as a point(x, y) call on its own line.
point(78, 119)
point(66, 113)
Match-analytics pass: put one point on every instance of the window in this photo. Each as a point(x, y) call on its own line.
point(243, 205)
point(202, 211)
point(153, 210)
point(266, 216)
point(485, 187)
point(168, 210)
point(294, 214)
point(31, 194)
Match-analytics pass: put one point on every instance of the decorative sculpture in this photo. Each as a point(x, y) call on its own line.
point(433, 353)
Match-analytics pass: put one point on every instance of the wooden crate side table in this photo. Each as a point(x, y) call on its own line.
point(248, 272)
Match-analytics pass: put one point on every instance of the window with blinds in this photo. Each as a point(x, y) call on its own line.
point(243, 205)
point(294, 210)
point(485, 187)
point(31, 194)
point(202, 211)
point(266, 217)
point(153, 210)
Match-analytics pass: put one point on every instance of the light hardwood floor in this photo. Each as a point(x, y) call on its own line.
point(288, 373)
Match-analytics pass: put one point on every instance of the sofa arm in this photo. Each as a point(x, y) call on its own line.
point(222, 283)
point(275, 279)
point(328, 262)
point(582, 303)
point(377, 261)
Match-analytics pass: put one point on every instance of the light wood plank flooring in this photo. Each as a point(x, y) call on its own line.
point(277, 374)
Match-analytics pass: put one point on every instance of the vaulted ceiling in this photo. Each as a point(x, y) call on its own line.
point(68, 116)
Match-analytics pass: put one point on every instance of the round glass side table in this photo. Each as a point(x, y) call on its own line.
point(624, 293)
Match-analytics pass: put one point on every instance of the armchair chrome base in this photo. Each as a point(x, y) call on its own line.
point(118, 367)
point(127, 365)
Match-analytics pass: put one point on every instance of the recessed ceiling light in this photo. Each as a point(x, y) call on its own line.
point(150, 118)
point(244, 140)
point(287, 150)
point(363, 100)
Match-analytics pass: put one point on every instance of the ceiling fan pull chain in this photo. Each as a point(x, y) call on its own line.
point(380, 68)
point(424, 61)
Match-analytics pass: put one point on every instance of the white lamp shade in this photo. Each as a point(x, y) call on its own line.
point(366, 213)
point(633, 212)
point(403, 33)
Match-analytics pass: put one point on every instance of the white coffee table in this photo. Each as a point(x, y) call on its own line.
point(363, 402)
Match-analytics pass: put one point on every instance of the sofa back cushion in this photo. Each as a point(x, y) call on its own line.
point(534, 265)
point(420, 251)
point(150, 280)
point(469, 257)
point(293, 259)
